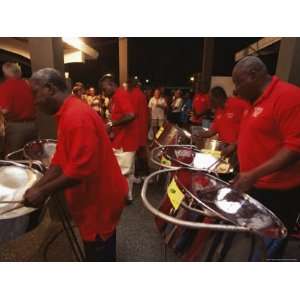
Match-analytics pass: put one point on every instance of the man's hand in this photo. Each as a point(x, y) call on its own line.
point(35, 197)
point(244, 181)
point(227, 151)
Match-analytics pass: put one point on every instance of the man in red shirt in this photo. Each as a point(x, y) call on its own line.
point(84, 165)
point(16, 103)
point(228, 115)
point(124, 128)
point(138, 100)
point(201, 105)
point(269, 139)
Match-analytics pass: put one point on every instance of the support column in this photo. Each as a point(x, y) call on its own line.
point(288, 63)
point(123, 60)
point(46, 52)
point(207, 62)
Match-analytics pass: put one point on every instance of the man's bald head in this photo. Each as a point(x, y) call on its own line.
point(250, 76)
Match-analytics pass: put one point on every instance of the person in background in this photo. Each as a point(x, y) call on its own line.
point(176, 106)
point(139, 100)
point(201, 105)
point(157, 106)
point(91, 96)
point(186, 110)
point(84, 166)
point(268, 144)
point(228, 115)
point(125, 141)
point(79, 90)
point(17, 106)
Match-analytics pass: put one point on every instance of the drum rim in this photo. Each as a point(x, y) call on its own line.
point(43, 141)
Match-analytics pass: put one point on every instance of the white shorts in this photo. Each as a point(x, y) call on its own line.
point(126, 161)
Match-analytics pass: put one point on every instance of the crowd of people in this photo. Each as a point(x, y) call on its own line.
point(103, 131)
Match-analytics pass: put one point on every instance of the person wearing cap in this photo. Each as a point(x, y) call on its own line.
point(17, 105)
point(123, 128)
point(84, 166)
point(268, 144)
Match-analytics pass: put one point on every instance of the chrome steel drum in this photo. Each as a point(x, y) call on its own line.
point(189, 156)
point(217, 197)
point(41, 150)
point(170, 134)
point(16, 219)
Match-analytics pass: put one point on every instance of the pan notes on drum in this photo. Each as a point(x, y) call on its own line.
point(175, 194)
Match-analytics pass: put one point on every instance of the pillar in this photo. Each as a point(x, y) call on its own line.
point(207, 62)
point(123, 60)
point(46, 52)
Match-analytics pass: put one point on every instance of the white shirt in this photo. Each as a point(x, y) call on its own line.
point(157, 113)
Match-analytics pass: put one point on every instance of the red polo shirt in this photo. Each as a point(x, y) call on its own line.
point(16, 97)
point(227, 120)
point(125, 136)
point(84, 152)
point(138, 100)
point(201, 104)
point(273, 122)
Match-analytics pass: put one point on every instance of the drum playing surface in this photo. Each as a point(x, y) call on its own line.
point(14, 181)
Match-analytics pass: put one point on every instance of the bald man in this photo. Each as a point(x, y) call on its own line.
point(269, 140)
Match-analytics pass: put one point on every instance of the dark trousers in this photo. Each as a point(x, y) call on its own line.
point(285, 204)
point(100, 250)
point(17, 134)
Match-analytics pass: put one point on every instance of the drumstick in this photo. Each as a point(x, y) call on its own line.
point(11, 209)
point(8, 202)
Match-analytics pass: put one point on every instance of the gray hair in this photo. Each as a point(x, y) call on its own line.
point(50, 76)
point(11, 69)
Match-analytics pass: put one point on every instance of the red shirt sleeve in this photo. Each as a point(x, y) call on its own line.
point(82, 144)
point(287, 112)
point(4, 96)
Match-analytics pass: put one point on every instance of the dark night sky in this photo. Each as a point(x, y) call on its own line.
point(165, 61)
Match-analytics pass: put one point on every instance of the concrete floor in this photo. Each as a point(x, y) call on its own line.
point(137, 240)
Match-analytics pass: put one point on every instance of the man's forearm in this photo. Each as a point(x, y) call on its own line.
point(53, 172)
point(282, 159)
point(125, 120)
point(59, 183)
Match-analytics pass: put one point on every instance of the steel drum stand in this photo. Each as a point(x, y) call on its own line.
point(59, 204)
point(198, 225)
point(68, 228)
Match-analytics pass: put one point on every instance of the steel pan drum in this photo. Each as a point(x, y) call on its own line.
point(209, 206)
point(16, 219)
point(170, 134)
point(41, 150)
point(189, 156)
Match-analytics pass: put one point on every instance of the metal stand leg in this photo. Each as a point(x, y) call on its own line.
point(76, 249)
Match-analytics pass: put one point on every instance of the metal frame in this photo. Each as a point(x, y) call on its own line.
point(196, 225)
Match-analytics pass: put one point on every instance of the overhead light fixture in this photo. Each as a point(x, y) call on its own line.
point(135, 77)
point(67, 74)
point(192, 78)
point(77, 43)
point(147, 80)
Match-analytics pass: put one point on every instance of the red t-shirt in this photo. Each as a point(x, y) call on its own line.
point(16, 97)
point(84, 152)
point(273, 122)
point(138, 99)
point(227, 120)
point(125, 136)
point(201, 104)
